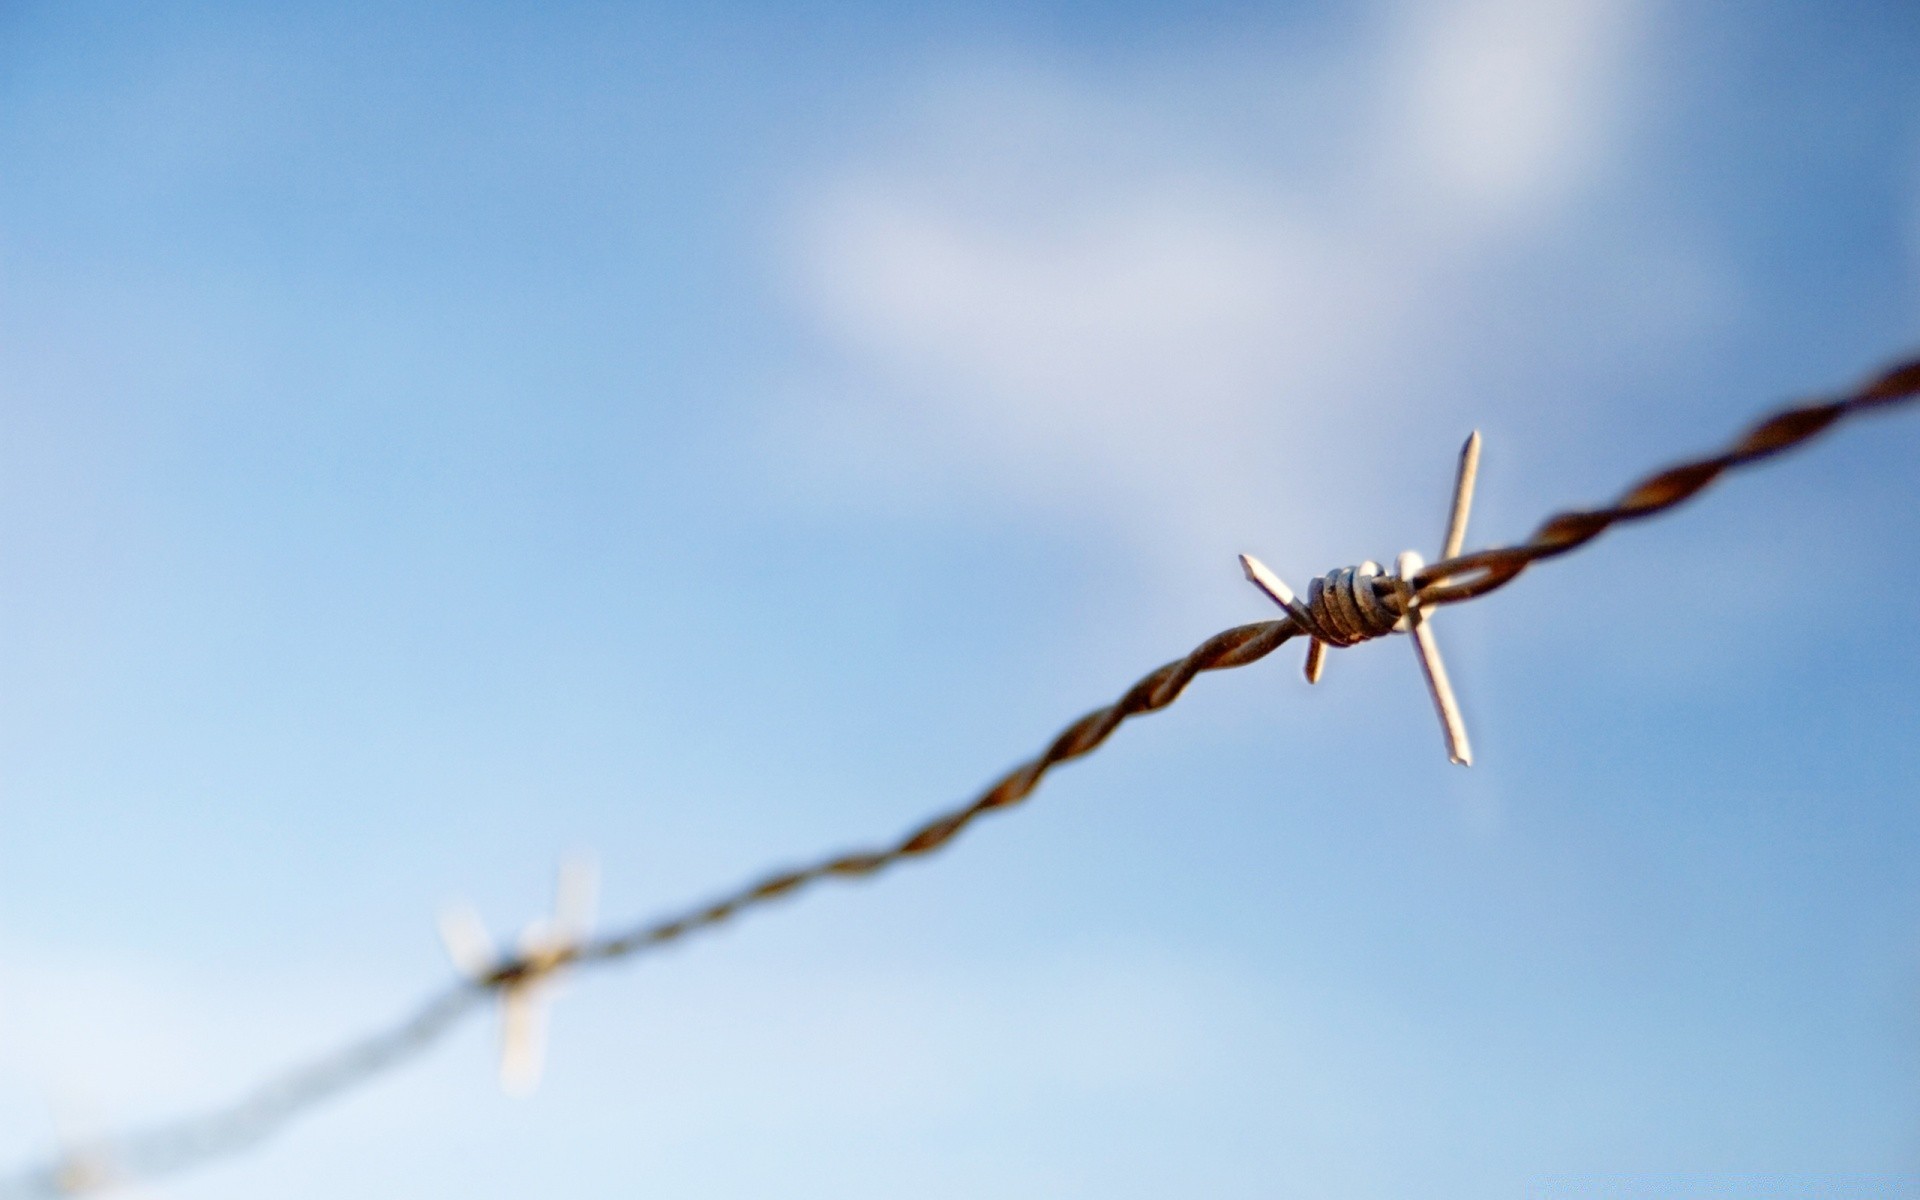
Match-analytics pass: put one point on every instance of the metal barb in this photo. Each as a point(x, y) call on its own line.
point(1262, 577)
point(1463, 481)
point(1427, 650)
point(523, 980)
point(1459, 750)
point(1333, 611)
point(1316, 659)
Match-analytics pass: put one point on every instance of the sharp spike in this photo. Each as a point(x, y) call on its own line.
point(1316, 659)
point(1452, 725)
point(1464, 480)
point(1262, 577)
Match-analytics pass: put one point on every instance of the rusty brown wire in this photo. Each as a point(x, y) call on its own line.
point(174, 1147)
point(1235, 648)
point(167, 1149)
point(1660, 491)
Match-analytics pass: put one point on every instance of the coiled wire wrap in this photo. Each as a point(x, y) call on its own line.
point(1347, 609)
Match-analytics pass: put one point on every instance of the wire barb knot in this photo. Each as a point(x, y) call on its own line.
point(1357, 604)
point(1347, 607)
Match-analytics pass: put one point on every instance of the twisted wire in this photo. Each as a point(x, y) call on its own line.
point(1487, 570)
point(1235, 648)
point(169, 1149)
point(1344, 607)
point(176, 1146)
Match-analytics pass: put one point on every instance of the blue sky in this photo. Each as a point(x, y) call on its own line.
point(434, 439)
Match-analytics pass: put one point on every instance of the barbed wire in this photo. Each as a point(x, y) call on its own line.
point(1662, 490)
point(176, 1146)
point(168, 1149)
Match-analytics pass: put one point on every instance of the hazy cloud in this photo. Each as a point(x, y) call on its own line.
point(1088, 296)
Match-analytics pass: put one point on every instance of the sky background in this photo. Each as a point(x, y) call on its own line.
point(436, 438)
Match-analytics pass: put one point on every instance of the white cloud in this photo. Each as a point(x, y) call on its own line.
point(1182, 304)
point(1146, 328)
point(1510, 102)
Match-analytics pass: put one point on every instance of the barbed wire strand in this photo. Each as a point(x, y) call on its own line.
point(173, 1147)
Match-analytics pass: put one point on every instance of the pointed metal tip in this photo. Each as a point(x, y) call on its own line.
point(1262, 577)
point(1464, 478)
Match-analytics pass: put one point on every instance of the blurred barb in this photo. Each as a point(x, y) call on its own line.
point(524, 981)
point(171, 1148)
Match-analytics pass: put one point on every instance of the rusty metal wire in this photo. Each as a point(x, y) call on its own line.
point(171, 1148)
point(1235, 648)
point(168, 1149)
point(1440, 583)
